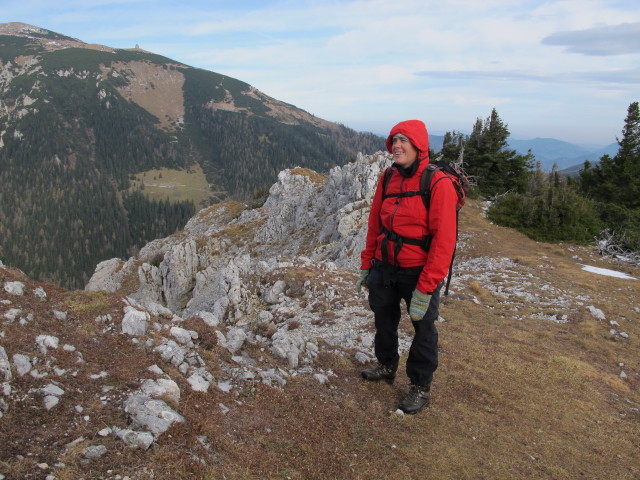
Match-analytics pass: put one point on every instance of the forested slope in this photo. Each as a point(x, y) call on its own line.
point(77, 121)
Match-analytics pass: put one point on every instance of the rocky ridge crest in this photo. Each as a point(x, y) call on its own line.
point(306, 219)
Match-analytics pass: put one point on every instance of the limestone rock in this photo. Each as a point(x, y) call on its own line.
point(183, 336)
point(40, 293)
point(134, 322)
point(235, 339)
point(151, 414)
point(22, 364)
point(198, 383)
point(303, 211)
point(596, 312)
point(5, 366)
point(94, 451)
point(14, 288)
point(12, 314)
point(135, 439)
point(273, 294)
point(107, 276)
point(171, 352)
point(161, 388)
point(178, 271)
point(45, 342)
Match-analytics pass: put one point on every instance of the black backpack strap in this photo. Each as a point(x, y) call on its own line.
point(425, 188)
point(425, 185)
point(424, 242)
point(388, 173)
point(386, 178)
point(389, 269)
point(427, 175)
point(453, 257)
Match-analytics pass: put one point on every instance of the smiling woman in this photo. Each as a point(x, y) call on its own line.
point(408, 252)
point(404, 153)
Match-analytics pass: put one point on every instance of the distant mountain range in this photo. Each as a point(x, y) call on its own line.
point(549, 151)
point(568, 156)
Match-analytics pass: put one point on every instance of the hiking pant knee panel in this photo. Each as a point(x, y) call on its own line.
point(423, 354)
point(385, 304)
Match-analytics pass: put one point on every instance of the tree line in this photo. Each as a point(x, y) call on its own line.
point(64, 171)
point(603, 202)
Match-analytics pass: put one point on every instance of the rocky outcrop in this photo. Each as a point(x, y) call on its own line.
point(283, 315)
point(213, 264)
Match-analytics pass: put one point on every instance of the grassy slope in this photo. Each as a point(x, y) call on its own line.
point(174, 185)
point(513, 398)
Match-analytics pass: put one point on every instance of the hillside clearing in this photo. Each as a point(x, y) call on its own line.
point(174, 185)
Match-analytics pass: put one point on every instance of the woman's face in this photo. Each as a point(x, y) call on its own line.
point(404, 154)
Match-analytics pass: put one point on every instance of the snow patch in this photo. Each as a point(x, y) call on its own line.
point(607, 272)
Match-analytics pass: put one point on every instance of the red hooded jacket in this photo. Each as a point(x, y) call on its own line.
point(408, 217)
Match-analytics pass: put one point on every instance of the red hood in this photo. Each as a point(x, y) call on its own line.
point(415, 131)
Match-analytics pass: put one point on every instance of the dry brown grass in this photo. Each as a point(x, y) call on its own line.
point(512, 399)
point(315, 177)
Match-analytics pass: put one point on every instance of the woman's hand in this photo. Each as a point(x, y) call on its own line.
point(419, 305)
point(364, 275)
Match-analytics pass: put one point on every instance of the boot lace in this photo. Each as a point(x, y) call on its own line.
point(416, 392)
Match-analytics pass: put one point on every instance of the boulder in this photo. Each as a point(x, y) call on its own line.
point(151, 414)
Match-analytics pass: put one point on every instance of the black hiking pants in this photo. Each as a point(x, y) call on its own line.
point(385, 304)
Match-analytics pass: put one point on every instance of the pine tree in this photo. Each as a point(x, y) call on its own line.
point(487, 158)
point(627, 160)
point(452, 145)
point(617, 179)
point(615, 184)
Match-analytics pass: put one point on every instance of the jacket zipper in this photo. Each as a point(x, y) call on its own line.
point(393, 214)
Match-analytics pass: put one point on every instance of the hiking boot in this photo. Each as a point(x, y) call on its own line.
point(418, 398)
point(381, 372)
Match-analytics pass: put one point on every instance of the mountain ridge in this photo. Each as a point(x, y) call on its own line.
point(550, 151)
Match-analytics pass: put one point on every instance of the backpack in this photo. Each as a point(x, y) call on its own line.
point(461, 185)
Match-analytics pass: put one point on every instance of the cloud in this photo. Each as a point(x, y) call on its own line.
point(599, 41)
point(373, 62)
point(617, 76)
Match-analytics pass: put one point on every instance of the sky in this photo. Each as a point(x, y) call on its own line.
point(564, 69)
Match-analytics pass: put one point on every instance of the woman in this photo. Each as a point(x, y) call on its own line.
point(407, 256)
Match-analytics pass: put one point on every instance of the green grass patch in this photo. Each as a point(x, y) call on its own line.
point(174, 185)
point(80, 301)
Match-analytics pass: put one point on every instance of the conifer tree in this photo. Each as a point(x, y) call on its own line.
point(452, 145)
point(497, 168)
point(617, 179)
point(628, 159)
point(615, 184)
